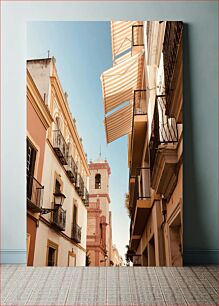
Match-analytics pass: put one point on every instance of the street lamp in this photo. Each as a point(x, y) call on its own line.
point(59, 198)
point(58, 202)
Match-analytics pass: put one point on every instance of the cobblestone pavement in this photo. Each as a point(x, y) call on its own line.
point(21, 285)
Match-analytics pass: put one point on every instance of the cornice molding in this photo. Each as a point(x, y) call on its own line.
point(37, 102)
point(98, 166)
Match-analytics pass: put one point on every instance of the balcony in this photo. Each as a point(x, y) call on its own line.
point(71, 169)
point(76, 233)
point(137, 38)
point(80, 185)
point(139, 128)
point(59, 218)
point(85, 198)
point(172, 54)
point(163, 150)
point(140, 205)
point(60, 146)
point(34, 194)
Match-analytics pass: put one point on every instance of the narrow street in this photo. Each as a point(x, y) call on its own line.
point(110, 191)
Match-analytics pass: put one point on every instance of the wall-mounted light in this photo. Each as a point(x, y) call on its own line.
point(59, 198)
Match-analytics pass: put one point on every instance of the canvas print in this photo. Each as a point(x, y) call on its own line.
point(104, 151)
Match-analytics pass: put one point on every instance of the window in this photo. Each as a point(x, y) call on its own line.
point(97, 181)
point(73, 150)
point(75, 212)
point(57, 187)
point(52, 254)
point(31, 158)
point(69, 148)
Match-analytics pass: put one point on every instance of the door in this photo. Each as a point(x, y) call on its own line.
point(151, 253)
point(51, 256)
point(145, 257)
point(175, 232)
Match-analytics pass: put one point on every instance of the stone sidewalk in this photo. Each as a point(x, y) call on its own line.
point(109, 286)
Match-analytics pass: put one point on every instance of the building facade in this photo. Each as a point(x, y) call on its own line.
point(62, 224)
point(99, 226)
point(38, 121)
point(116, 259)
point(147, 72)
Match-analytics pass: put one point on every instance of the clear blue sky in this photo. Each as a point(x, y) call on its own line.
point(83, 51)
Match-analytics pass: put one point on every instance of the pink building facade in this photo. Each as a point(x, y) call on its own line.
point(99, 229)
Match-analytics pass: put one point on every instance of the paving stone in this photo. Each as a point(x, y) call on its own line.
point(127, 286)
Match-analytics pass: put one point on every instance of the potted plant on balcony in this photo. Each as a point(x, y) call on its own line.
point(127, 206)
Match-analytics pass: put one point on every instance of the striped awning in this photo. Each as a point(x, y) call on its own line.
point(119, 123)
point(121, 33)
point(120, 81)
point(122, 58)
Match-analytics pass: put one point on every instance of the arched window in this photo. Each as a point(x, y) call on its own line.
point(97, 181)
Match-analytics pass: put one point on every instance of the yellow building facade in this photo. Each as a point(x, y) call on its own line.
point(61, 230)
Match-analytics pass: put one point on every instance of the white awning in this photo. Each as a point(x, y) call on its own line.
point(121, 32)
point(120, 81)
point(119, 123)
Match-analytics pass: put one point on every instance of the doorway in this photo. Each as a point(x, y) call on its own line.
point(52, 253)
point(51, 256)
point(151, 252)
point(145, 257)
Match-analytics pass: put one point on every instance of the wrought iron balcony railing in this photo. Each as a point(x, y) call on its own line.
point(34, 194)
point(71, 169)
point(76, 233)
point(164, 129)
point(80, 185)
point(59, 218)
point(171, 45)
point(140, 102)
point(141, 187)
point(137, 35)
point(60, 146)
